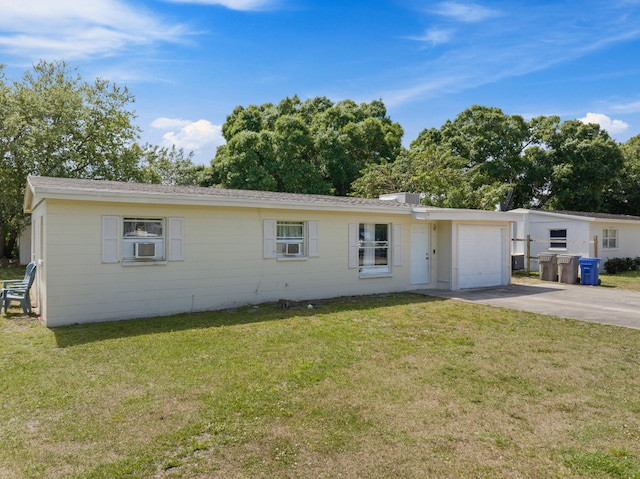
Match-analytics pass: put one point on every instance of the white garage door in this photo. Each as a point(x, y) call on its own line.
point(481, 256)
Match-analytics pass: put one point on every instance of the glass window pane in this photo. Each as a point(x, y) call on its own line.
point(141, 227)
point(382, 232)
point(609, 238)
point(290, 230)
point(381, 256)
point(558, 238)
point(373, 248)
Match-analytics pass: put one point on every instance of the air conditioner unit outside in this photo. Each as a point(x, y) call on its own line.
point(144, 250)
point(292, 248)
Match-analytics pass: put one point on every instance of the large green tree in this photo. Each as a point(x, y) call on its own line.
point(477, 160)
point(314, 146)
point(52, 123)
point(487, 159)
point(580, 164)
point(623, 196)
point(167, 166)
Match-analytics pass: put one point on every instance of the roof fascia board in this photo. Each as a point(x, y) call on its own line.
point(464, 215)
point(556, 215)
point(184, 200)
point(615, 220)
point(29, 198)
point(594, 219)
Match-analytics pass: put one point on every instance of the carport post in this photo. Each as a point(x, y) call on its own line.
point(595, 246)
point(528, 254)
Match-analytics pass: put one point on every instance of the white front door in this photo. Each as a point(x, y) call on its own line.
point(420, 253)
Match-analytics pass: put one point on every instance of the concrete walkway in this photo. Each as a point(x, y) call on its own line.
point(587, 303)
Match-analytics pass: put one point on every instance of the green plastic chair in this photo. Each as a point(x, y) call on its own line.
point(19, 282)
point(19, 290)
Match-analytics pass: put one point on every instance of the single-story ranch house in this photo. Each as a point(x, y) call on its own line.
point(113, 250)
point(603, 235)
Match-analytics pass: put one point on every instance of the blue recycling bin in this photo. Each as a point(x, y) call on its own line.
point(589, 271)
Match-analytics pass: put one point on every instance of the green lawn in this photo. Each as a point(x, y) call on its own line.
point(626, 280)
point(9, 271)
point(629, 280)
point(395, 386)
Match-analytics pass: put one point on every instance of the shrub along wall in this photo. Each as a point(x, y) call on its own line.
point(618, 265)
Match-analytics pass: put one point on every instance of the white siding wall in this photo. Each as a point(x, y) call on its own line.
point(223, 263)
point(444, 254)
point(38, 245)
point(628, 239)
point(580, 236)
point(539, 227)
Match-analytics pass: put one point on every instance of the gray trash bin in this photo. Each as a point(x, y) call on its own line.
point(548, 263)
point(568, 268)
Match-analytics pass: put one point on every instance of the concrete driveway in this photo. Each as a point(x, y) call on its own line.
point(587, 303)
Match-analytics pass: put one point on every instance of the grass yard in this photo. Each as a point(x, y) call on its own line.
point(396, 386)
point(10, 271)
point(629, 280)
point(625, 280)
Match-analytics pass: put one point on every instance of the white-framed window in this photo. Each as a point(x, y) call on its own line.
point(374, 248)
point(143, 239)
point(129, 239)
point(609, 238)
point(558, 238)
point(287, 239)
point(290, 238)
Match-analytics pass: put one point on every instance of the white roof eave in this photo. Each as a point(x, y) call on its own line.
point(436, 214)
point(553, 214)
point(189, 200)
point(569, 216)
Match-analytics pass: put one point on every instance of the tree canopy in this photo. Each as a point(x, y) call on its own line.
point(623, 196)
point(314, 146)
point(486, 159)
point(52, 123)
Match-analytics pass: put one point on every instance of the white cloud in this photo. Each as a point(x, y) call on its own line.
point(435, 36)
point(526, 40)
point(468, 13)
point(55, 29)
point(606, 123)
point(197, 136)
point(633, 107)
point(244, 5)
point(163, 123)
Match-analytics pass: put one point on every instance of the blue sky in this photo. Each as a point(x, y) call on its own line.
point(189, 63)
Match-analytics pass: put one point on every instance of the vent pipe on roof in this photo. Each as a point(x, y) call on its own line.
point(408, 198)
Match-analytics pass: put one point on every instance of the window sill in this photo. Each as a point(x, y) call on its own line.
point(129, 262)
point(292, 258)
point(375, 275)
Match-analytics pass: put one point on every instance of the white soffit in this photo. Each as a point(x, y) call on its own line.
point(454, 214)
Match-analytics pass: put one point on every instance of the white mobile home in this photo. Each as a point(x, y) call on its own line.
point(603, 235)
point(112, 250)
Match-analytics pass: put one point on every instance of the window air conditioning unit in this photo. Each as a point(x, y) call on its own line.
point(292, 248)
point(144, 250)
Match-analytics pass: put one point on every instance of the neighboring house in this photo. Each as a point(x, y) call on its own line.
point(112, 250)
point(575, 233)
